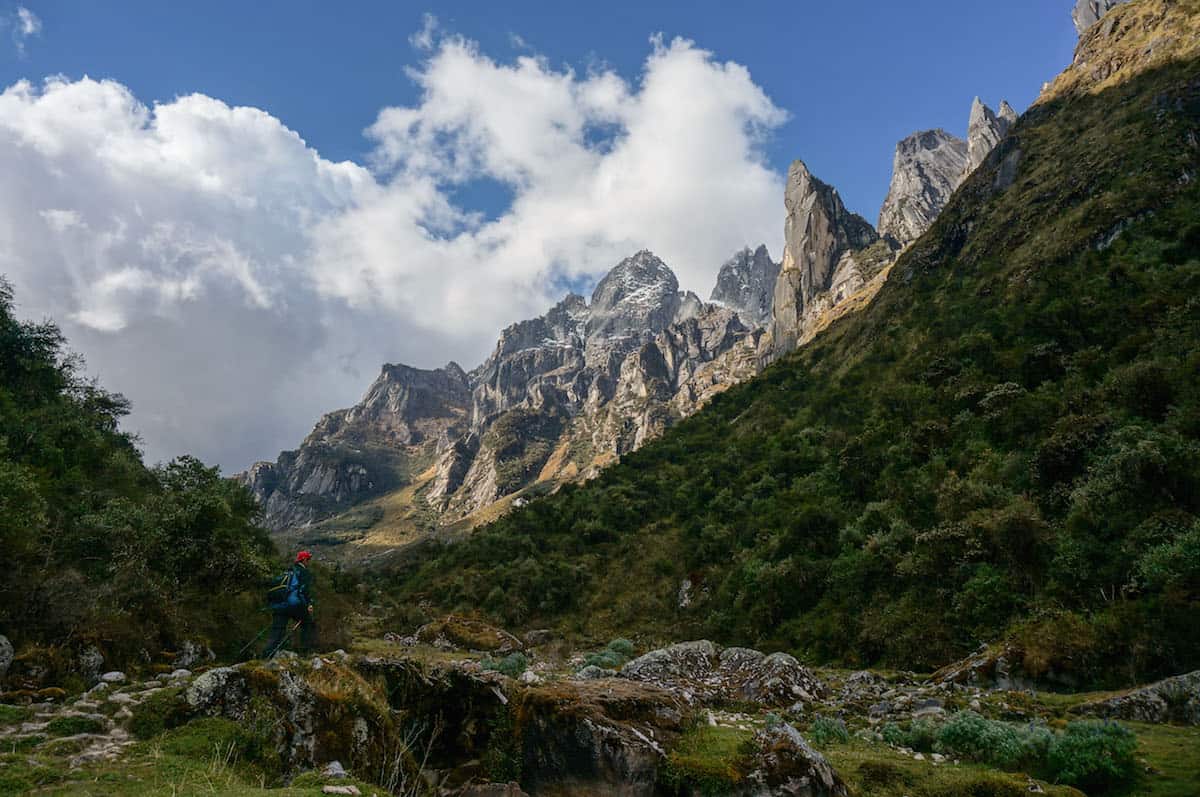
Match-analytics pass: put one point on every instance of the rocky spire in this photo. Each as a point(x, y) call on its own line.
point(746, 284)
point(927, 168)
point(818, 231)
point(1088, 12)
point(985, 130)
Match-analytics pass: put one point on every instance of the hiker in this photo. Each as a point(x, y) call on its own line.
point(292, 602)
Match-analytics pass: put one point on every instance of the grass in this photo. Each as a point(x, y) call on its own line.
point(1173, 753)
point(876, 770)
point(709, 759)
point(70, 726)
point(11, 715)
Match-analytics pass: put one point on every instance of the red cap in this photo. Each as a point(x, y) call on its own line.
point(303, 556)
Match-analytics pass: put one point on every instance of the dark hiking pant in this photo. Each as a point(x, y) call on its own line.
point(303, 639)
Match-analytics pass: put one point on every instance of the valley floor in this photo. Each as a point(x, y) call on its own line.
point(200, 733)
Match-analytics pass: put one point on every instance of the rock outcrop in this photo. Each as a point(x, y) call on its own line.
point(746, 284)
point(1170, 700)
point(1088, 12)
point(6, 655)
point(704, 672)
point(786, 764)
point(928, 167)
point(822, 241)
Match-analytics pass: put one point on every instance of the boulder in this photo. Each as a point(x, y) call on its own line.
point(702, 671)
point(468, 634)
point(786, 765)
point(6, 655)
point(1174, 699)
point(113, 677)
point(592, 672)
point(91, 664)
point(193, 653)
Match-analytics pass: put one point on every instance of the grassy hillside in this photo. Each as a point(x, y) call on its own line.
point(1006, 442)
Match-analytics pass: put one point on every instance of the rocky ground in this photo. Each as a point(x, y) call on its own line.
point(461, 708)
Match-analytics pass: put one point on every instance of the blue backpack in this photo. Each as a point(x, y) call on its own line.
point(285, 593)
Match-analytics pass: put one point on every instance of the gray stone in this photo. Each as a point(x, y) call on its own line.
point(91, 664)
point(1088, 12)
point(702, 670)
point(192, 653)
point(6, 655)
point(928, 167)
point(114, 677)
point(180, 674)
point(785, 764)
point(592, 673)
point(1174, 699)
point(218, 691)
point(334, 769)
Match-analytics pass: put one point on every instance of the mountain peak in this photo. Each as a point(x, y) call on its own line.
point(746, 283)
point(639, 294)
point(927, 168)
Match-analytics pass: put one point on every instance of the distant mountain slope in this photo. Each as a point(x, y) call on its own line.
point(1006, 442)
point(560, 397)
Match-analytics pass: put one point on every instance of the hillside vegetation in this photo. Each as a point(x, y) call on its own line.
point(98, 548)
point(1005, 443)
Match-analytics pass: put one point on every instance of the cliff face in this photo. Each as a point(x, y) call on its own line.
point(746, 284)
point(1088, 12)
point(927, 168)
point(406, 416)
point(821, 240)
point(560, 396)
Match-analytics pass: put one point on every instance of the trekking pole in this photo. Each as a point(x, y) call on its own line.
point(284, 641)
point(250, 644)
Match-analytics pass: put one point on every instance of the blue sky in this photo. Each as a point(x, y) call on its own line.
point(855, 76)
point(247, 207)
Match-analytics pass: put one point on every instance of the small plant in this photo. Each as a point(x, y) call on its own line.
point(158, 713)
point(972, 737)
point(70, 726)
point(511, 665)
point(1093, 755)
point(613, 657)
point(920, 735)
point(772, 720)
point(827, 730)
point(622, 647)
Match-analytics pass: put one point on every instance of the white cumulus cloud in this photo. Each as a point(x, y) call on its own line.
point(212, 265)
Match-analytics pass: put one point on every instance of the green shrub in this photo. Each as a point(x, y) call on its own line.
point(622, 647)
point(1093, 755)
point(827, 730)
point(70, 726)
point(10, 715)
point(605, 660)
point(511, 665)
point(972, 737)
point(920, 735)
point(159, 712)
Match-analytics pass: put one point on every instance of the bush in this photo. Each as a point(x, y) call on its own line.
point(970, 736)
point(920, 735)
point(826, 730)
point(622, 647)
point(159, 712)
point(511, 665)
point(70, 726)
point(1093, 755)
